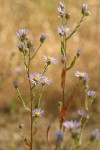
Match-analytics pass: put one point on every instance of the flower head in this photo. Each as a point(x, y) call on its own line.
point(64, 30)
point(91, 93)
point(38, 112)
point(81, 75)
point(61, 4)
point(21, 125)
point(50, 60)
point(61, 12)
point(63, 58)
point(36, 78)
point(83, 114)
point(43, 37)
point(22, 33)
point(71, 124)
point(45, 80)
point(85, 12)
point(21, 46)
point(79, 52)
point(95, 134)
point(60, 136)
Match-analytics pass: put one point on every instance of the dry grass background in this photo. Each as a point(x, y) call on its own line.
point(41, 16)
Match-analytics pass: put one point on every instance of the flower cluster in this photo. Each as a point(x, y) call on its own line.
point(83, 114)
point(91, 93)
point(71, 124)
point(38, 78)
point(38, 112)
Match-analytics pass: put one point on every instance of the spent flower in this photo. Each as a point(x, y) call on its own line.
point(38, 112)
point(95, 134)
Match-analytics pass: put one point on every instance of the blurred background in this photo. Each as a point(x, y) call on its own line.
point(41, 16)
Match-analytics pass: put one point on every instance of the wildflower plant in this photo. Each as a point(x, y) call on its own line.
point(74, 127)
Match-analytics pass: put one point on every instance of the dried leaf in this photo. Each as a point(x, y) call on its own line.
point(35, 131)
point(27, 142)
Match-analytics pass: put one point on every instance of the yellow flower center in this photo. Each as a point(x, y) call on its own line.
point(65, 30)
point(36, 79)
point(50, 58)
point(37, 113)
point(82, 74)
point(45, 80)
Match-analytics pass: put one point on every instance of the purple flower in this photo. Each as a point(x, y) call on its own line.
point(91, 93)
point(61, 4)
point(83, 114)
point(84, 7)
point(81, 75)
point(45, 80)
point(95, 134)
point(36, 78)
point(63, 58)
point(60, 136)
point(38, 112)
point(21, 33)
point(43, 37)
point(84, 10)
point(71, 124)
point(50, 60)
point(63, 30)
point(21, 46)
point(79, 52)
point(61, 12)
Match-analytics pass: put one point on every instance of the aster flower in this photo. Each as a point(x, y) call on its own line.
point(59, 136)
point(38, 112)
point(61, 4)
point(50, 60)
point(45, 80)
point(91, 93)
point(81, 75)
point(83, 114)
point(35, 78)
point(95, 134)
point(43, 37)
point(61, 12)
point(22, 33)
point(71, 124)
point(64, 30)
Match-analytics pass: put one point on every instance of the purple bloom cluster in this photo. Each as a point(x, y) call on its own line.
point(43, 37)
point(63, 58)
point(38, 78)
point(81, 75)
point(38, 112)
point(71, 124)
point(83, 114)
point(91, 93)
point(50, 60)
point(64, 30)
point(22, 33)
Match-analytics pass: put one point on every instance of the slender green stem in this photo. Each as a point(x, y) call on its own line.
point(76, 28)
point(41, 93)
point(36, 51)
